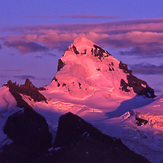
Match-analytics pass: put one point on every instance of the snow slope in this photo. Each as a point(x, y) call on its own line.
point(88, 69)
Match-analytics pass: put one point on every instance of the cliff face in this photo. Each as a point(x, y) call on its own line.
point(139, 86)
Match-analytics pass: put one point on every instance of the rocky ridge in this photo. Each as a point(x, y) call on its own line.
point(26, 89)
point(76, 141)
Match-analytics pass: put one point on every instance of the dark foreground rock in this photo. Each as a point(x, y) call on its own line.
point(29, 129)
point(30, 134)
point(17, 153)
point(78, 141)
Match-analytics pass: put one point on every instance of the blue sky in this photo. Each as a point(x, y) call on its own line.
point(35, 33)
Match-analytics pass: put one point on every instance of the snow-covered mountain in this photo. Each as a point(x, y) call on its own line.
point(86, 69)
point(94, 85)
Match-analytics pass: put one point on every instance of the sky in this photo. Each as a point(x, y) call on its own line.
point(35, 33)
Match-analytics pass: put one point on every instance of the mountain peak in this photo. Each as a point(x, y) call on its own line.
point(86, 69)
point(84, 46)
point(81, 44)
point(82, 41)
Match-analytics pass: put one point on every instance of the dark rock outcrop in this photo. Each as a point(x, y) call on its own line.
point(79, 141)
point(26, 89)
point(148, 92)
point(71, 128)
point(76, 141)
point(85, 52)
point(30, 134)
point(60, 64)
point(140, 121)
point(124, 86)
point(16, 153)
point(29, 129)
point(98, 52)
point(124, 67)
point(75, 50)
point(58, 84)
point(139, 86)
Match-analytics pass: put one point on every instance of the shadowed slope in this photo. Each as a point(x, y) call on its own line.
point(79, 141)
point(128, 105)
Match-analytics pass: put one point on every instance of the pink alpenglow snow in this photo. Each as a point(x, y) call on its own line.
point(86, 69)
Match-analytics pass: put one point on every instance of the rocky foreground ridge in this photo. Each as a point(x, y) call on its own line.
point(76, 141)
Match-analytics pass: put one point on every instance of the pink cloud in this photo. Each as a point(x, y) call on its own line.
point(25, 47)
point(110, 27)
point(136, 34)
point(141, 37)
point(74, 16)
point(51, 38)
point(152, 49)
point(90, 16)
point(14, 70)
point(147, 69)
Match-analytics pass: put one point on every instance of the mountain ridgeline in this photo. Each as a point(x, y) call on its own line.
point(86, 68)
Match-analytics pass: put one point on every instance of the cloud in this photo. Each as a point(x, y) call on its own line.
point(47, 54)
point(55, 39)
point(140, 36)
point(22, 77)
point(144, 25)
point(0, 46)
point(3, 76)
point(25, 47)
point(38, 57)
point(13, 70)
point(51, 54)
point(149, 69)
point(147, 50)
point(31, 77)
point(1, 38)
point(90, 16)
point(85, 16)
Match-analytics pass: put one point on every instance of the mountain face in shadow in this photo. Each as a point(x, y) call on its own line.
point(129, 105)
point(29, 132)
point(78, 141)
